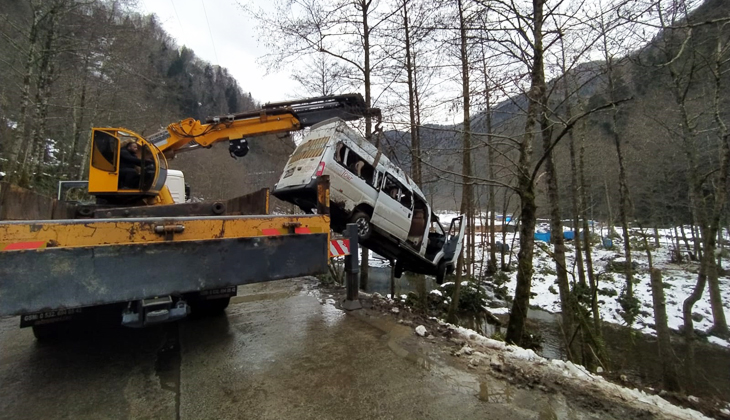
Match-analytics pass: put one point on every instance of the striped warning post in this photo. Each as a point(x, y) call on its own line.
point(339, 247)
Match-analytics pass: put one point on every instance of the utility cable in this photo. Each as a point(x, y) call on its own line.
point(182, 30)
point(205, 12)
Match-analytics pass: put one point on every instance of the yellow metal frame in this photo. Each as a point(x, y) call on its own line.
point(100, 232)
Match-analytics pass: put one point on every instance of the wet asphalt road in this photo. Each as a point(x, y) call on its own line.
point(280, 352)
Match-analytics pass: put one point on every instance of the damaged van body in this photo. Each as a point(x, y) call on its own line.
point(366, 188)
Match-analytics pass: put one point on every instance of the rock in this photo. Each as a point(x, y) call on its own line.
point(430, 337)
point(552, 290)
point(623, 378)
point(421, 331)
point(599, 369)
point(697, 317)
point(395, 310)
point(466, 350)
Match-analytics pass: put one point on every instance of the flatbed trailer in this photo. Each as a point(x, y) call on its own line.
point(150, 267)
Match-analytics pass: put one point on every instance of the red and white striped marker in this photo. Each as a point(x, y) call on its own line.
point(339, 247)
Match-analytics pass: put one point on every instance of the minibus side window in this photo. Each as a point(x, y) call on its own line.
point(356, 164)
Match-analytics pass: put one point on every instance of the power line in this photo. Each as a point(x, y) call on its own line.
point(211, 33)
point(182, 30)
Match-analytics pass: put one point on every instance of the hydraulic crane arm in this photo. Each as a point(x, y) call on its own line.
point(279, 117)
point(113, 181)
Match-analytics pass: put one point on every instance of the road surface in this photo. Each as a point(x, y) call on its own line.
point(282, 351)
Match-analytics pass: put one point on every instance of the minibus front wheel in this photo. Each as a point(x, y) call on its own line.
point(364, 228)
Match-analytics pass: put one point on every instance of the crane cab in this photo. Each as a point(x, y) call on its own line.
point(119, 176)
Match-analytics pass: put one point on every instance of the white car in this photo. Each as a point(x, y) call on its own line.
point(366, 188)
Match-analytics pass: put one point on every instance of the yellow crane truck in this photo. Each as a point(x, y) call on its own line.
point(141, 258)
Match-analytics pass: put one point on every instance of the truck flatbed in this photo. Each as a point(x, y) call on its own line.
point(59, 264)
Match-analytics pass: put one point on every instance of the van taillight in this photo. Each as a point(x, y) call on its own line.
point(320, 169)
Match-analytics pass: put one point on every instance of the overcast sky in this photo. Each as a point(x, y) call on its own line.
point(230, 42)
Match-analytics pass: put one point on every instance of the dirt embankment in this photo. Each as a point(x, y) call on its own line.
point(526, 370)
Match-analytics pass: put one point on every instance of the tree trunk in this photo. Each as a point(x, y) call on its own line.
point(467, 194)
point(669, 373)
point(592, 281)
point(521, 302)
point(21, 130)
point(492, 202)
point(43, 92)
point(556, 225)
point(576, 205)
point(526, 186)
point(415, 143)
point(365, 5)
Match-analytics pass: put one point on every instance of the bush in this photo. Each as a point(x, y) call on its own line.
point(605, 291)
point(498, 335)
point(500, 278)
point(472, 297)
point(546, 270)
point(621, 266)
point(630, 307)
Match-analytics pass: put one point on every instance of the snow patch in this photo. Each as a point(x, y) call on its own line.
point(421, 330)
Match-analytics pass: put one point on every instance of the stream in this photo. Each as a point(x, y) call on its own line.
point(631, 353)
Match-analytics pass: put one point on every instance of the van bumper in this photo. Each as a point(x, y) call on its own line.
point(304, 196)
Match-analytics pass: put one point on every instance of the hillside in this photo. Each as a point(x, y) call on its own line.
point(68, 66)
point(646, 124)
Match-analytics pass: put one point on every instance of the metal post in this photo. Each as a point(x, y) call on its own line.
point(352, 270)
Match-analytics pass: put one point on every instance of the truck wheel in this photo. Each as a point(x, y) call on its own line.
point(210, 307)
point(47, 332)
point(441, 273)
point(364, 228)
point(398, 269)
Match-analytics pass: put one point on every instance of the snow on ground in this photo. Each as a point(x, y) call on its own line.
point(572, 372)
point(679, 281)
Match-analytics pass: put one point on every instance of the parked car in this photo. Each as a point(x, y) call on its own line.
point(366, 188)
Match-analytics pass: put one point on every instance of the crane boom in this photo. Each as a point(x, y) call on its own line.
point(272, 118)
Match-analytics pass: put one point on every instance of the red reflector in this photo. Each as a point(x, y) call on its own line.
point(270, 232)
point(24, 245)
point(302, 230)
point(320, 169)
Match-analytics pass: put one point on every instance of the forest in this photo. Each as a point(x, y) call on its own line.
point(561, 116)
point(68, 66)
point(558, 113)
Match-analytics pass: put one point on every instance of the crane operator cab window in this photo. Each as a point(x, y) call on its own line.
point(104, 155)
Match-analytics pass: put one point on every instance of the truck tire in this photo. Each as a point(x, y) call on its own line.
point(209, 307)
point(364, 228)
point(441, 272)
point(398, 269)
point(47, 332)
